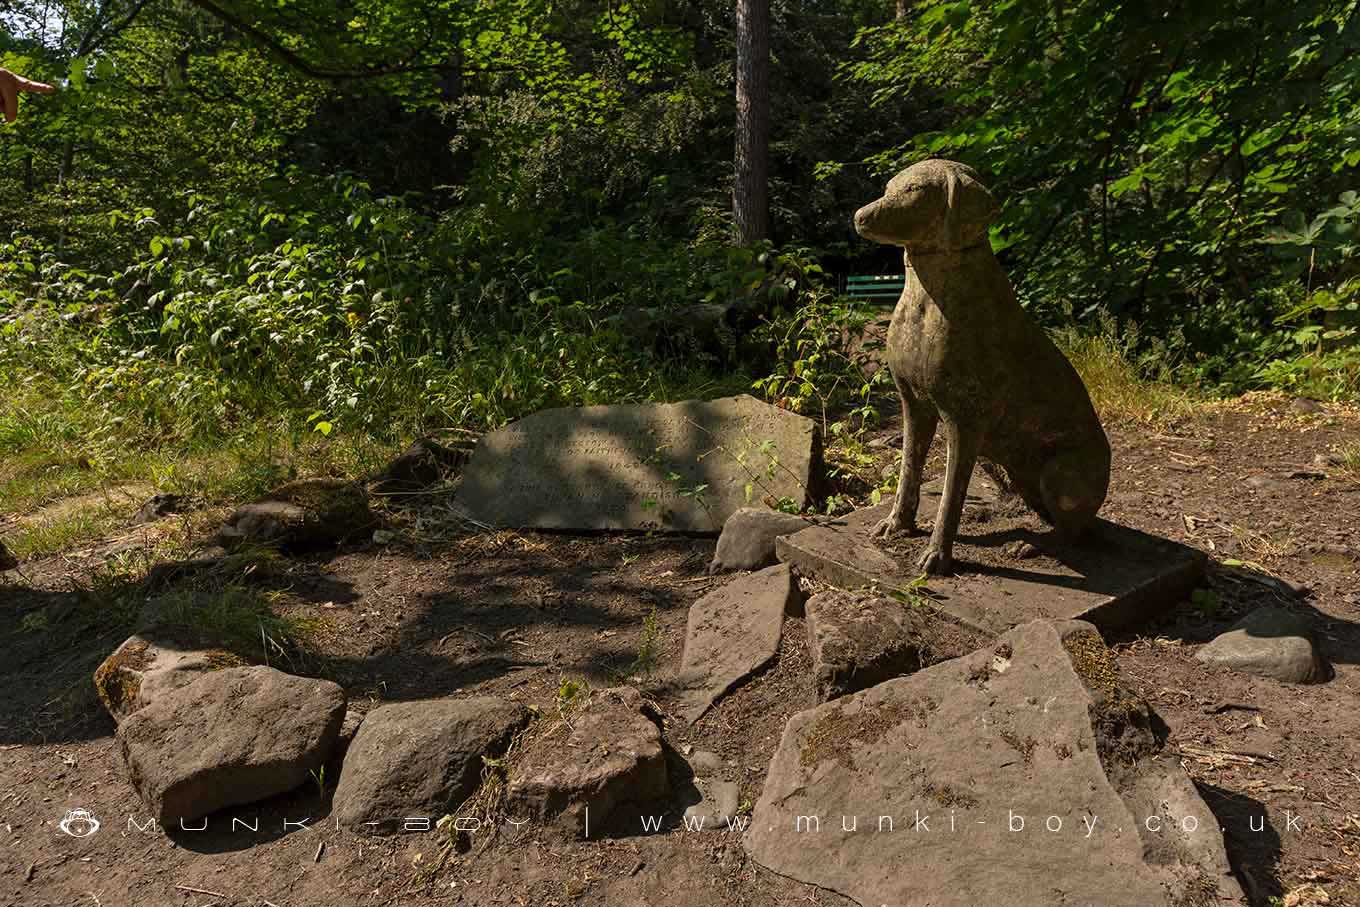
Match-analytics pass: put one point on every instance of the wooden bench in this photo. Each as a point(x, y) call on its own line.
point(883, 289)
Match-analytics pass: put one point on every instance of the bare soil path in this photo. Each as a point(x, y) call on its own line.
point(515, 614)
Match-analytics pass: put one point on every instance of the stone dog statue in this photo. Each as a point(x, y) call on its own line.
point(963, 351)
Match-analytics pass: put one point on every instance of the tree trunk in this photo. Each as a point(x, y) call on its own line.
point(901, 9)
point(750, 188)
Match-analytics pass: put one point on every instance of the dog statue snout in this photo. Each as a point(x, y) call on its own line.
point(870, 222)
point(862, 218)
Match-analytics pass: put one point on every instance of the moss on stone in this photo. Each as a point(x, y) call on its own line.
point(1121, 720)
point(949, 796)
point(1095, 665)
point(221, 658)
point(119, 679)
point(832, 736)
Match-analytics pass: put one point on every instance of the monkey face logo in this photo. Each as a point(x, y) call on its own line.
point(79, 823)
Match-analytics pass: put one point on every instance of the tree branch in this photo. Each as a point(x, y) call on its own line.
point(301, 64)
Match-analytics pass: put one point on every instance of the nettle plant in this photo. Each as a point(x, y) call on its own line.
point(1324, 322)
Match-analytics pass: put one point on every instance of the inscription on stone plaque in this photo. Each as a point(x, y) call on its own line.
point(678, 467)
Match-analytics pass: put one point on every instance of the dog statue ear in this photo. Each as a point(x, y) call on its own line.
point(969, 210)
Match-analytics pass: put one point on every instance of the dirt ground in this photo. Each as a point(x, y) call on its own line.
point(434, 614)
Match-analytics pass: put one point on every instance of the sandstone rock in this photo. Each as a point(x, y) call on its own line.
point(574, 777)
point(859, 639)
point(733, 632)
point(420, 759)
point(426, 462)
point(705, 763)
point(747, 540)
point(157, 506)
point(1268, 642)
point(309, 513)
point(334, 765)
point(718, 802)
point(679, 467)
point(228, 738)
point(147, 666)
point(1305, 406)
point(1037, 774)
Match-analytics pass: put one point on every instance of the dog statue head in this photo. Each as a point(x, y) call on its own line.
point(935, 205)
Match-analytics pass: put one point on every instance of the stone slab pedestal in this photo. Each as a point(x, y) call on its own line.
point(1009, 567)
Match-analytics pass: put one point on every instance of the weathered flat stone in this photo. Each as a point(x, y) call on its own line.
point(1035, 774)
point(859, 639)
point(426, 462)
point(682, 467)
point(308, 513)
point(1268, 642)
point(1010, 569)
point(573, 778)
point(230, 737)
point(147, 666)
point(733, 632)
point(420, 759)
point(748, 536)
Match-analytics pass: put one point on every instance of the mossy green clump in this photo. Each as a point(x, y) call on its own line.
point(118, 680)
point(1122, 721)
point(219, 659)
point(832, 736)
point(1022, 745)
point(949, 796)
point(1095, 665)
point(327, 500)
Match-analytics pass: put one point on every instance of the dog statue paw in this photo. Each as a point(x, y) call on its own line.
point(934, 562)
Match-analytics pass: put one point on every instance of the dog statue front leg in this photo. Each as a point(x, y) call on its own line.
point(919, 420)
point(938, 557)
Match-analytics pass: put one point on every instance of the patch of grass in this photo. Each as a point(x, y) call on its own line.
point(648, 646)
point(50, 453)
point(234, 617)
point(1207, 602)
point(570, 694)
point(1350, 458)
point(63, 532)
point(1126, 383)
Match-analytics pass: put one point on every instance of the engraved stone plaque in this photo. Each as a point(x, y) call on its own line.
point(674, 467)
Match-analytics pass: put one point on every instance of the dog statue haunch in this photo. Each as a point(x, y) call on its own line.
point(963, 352)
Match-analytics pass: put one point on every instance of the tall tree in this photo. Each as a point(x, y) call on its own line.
point(750, 188)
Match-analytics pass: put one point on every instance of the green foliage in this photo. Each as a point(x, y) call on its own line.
point(828, 357)
point(1321, 357)
point(1146, 153)
point(648, 647)
point(352, 319)
point(1206, 602)
point(242, 218)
